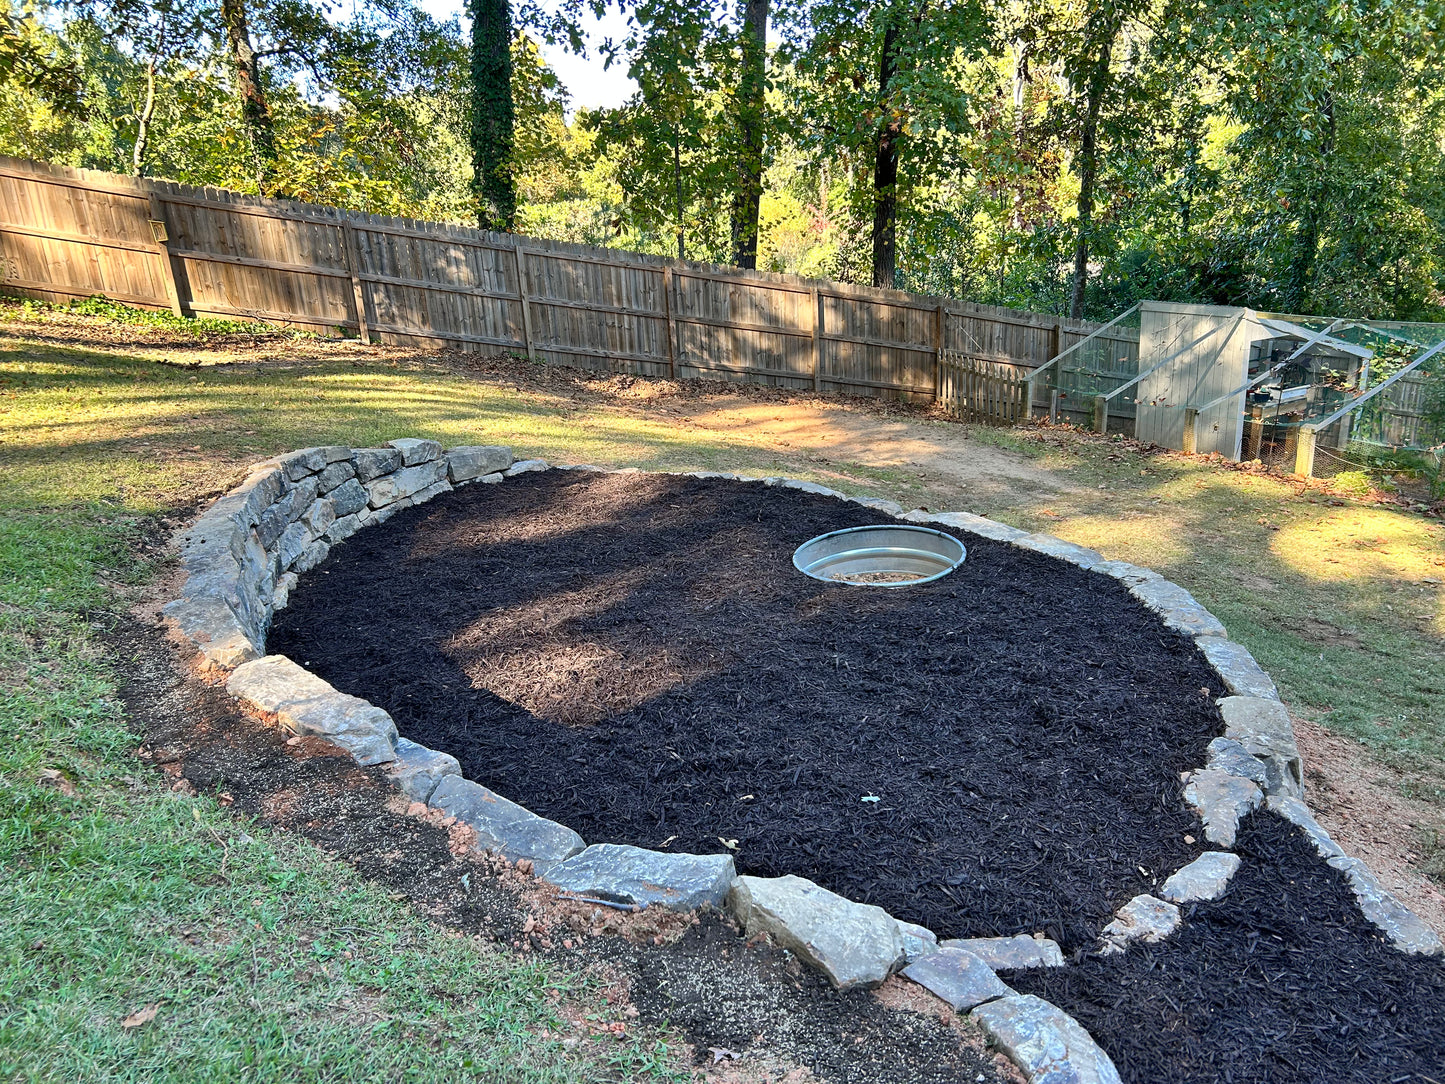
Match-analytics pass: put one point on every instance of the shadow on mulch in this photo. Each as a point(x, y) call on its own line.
point(636, 657)
point(1280, 980)
point(706, 982)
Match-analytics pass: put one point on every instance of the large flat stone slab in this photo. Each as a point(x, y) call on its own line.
point(1229, 756)
point(1007, 953)
point(1298, 814)
point(417, 770)
point(968, 521)
point(215, 630)
point(918, 941)
point(374, 462)
point(471, 461)
point(1177, 608)
point(957, 976)
point(1047, 1043)
point(1221, 800)
point(304, 704)
point(1206, 878)
point(854, 944)
point(406, 482)
point(1065, 551)
point(1261, 725)
point(1144, 918)
point(416, 451)
point(503, 826)
point(1236, 667)
point(643, 878)
point(1405, 929)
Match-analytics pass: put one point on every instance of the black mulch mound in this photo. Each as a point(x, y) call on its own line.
point(636, 657)
point(1281, 980)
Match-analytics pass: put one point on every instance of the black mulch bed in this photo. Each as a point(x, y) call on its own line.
point(1280, 980)
point(636, 657)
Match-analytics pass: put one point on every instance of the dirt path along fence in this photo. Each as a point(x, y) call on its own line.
point(67, 233)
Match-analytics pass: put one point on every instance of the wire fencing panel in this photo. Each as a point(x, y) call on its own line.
point(67, 233)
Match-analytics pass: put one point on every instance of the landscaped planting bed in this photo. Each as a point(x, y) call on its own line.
point(636, 657)
point(1042, 742)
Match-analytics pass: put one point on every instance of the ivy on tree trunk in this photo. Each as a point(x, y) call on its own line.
point(885, 165)
point(751, 122)
point(255, 110)
point(494, 182)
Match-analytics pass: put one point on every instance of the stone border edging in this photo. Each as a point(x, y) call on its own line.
point(244, 555)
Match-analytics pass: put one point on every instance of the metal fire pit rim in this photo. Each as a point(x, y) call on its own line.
point(953, 563)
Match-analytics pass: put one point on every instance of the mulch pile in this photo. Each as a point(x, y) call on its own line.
point(635, 656)
point(1280, 980)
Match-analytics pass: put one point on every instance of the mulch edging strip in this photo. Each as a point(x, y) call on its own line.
point(243, 558)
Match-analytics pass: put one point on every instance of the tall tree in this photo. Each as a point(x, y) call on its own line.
point(493, 118)
point(752, 123)
point(255, 109)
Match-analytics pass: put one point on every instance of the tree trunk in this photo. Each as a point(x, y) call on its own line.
point(494, 182)
point(751, 123)
point(143, 123)
point(255, 110)
point(885, 165)
point(1307, 236)
point(1102, 33)
point(677, 192)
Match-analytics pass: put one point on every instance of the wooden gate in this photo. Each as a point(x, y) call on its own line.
point(980, 390)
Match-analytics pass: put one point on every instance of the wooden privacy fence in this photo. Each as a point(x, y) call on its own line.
point(976, 390)
point(68, 233)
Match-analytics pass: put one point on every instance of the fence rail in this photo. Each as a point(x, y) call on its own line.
point(68, 233)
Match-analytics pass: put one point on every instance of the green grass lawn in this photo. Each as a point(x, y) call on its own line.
point(256, 953)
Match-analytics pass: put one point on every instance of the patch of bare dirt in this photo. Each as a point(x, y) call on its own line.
point(1358, 801)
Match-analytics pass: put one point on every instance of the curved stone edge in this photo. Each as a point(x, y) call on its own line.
point(246, 552)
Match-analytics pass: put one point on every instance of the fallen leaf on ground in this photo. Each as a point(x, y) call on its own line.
point(139, 1017)
point(52, 777)
point(720, 1053)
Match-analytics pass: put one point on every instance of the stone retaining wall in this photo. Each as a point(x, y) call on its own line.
point(244, 555)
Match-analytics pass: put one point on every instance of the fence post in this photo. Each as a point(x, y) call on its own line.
point(1101, 414)
point(1191, 423)
point(519, 255)
point(161, 232)
point(817, 302)
point(671, 325)
point(938, 338)
point(1304, 452)
point(1053, 406)
point(353, 267)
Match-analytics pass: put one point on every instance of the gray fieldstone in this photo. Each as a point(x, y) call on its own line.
point(854, 944)
point(343, 529)
point(475, 460)
point(1204, 879)
point(643, 878)
point(1126, 573)
point(320, 516)
point(374, 462)
point(291, 545)
point(1237, 669)
point(1296, 812)
point(918, 941)
point(490, 479)
point(313, 555)
point(273, 521)
point(1047, 544)
point(1047, 1043)
point(504, 826)
point(1007, 953)
point(524, 467)
point(1262, 726)
point(261, 490)
point(335, 453)
point(1405, 929)
point(299, 464)
point(810, 487)
point(1144, 918)
point(436, 489)
point(348, 498)
point(1177, 608)
point(304, 704)
point(217, 633)
point(404, 483)
point(372, 516)
point(334, 475)
point(957, 976)
point(688, 474)
point(415, 451)
point(879, 504)
point(417, 770)
point(282, 594)
point(298, 499)
point(1221, 800)
point(1228, 755)
point(967, 521)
